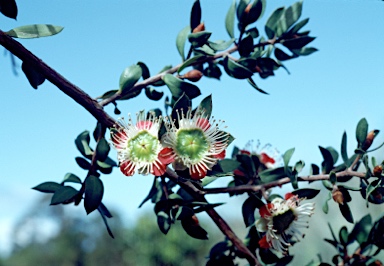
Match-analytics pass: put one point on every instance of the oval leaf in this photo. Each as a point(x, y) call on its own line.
point(69, 177)
point(230, 20)
point(189, 62)
point(63, 195)
point(83, 163)
point(47, 187)
point(34, 31)
point(308, 193)
point(206, 105)
point(181, 39)
point(178, 87)
point(8, 8)
point(102, 149)
point(129, 77)
point(361, 131)
point(34, 77)
point(93, 193)
point(236, 70)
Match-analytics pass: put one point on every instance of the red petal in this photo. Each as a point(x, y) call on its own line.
point(197, 175)
point(126, 168)
point(266, 159)
point(220, 156)
point(159, 169)
point(244, 152)
point(203, 123)
point(118, 137)
point(143, 124)
point(263, 243)
point(264, 210)
point(289, 195)
point(166, 156)
point(238, 173)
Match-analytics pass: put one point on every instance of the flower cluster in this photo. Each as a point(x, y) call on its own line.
point(193, 141)
point(281, 220)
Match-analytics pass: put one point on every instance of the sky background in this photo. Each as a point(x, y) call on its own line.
point(326, 93)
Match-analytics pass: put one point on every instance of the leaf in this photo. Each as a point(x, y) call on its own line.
point(248, 209)
point(198, 39)
point(152, 192)
point(361, 131)
point(230, 20)
point(84, 164)
point(343, 149)
point(253, 84)
point(292, 14)
point(129, 77)
point(102, 149)
point(246, 46)
point(308, 193)
point(69, 177)
point(220, 45)
point(178, 87)
point(282, 56)
point(327, 164)
point(8, 8)
point(144, 70)
point(104, 211)
point(270, 26)
point(206, 105)
point(236, 70)
point(193, 229)
point(82, 144)
point(164, 222)
point(105, 221)
point(47, 187)
point(325, 205)
point(189, 62)
point(34, 31)
point(153, 94)
point(346, 212)
point(297, 43)
point(34, 77)
point(183, 103)
point(256, 12)
point(93, 193)
point(286, 158)
point(212, 71)
point(63, 194)
point(343, 235)
point(108, 94)
point(273, 174)
point(332, 178)
point(181, 39)
point(97, 131)
point(195, 15)
point(361, 230)
point(298, 26)
point(304, 51)
point(229, 165)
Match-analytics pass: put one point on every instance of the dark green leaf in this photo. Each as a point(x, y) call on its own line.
point(253, 84)
point(181, 39)
point(97, 132)
point(240, 9)
point(34, 77)
point(334, 154)
point(273, 174)
point(182, 104)
point(34, 31)
point(304, 51)
point(69, 177)
point(152, 192)
point(343, 235)
point(108, 94)
point(102, 149)
point(248, 209)
point(236, 70)
point(292, 14)
point(129, 77)
point(82, 144)
point(286, 158)
point(230, 20)
point(282, 56)
point(256, 11)
point(315, 170)
point(361, 229)
point(153, 94)
point(346, 212)
point(361, 131)
point(63, 194)
point(344, 153)
point(198, 39)
point(284, 261)
point(332, 178)
point(298, 43)
point(164, 222)
point(195, 15)
point(144, 70)
point(267, 256)
point(229, 165)
point(183, 212)
point(189, 62)
point(325, 205)
point(178, 87)
point(104, 211)
point(8, 8)
point(271, 25)
point(308, 193)
point(93, 193)
point(219, 249)
point(192, 228)
point(105, 221)
point(206, 105)
point(246, 46)
point(212, 71)
point(220, 45)
point(327, 164)
point(298, 26)
point(83, 163)
point(47, 187)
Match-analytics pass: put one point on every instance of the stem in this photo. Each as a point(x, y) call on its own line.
point(82, 98)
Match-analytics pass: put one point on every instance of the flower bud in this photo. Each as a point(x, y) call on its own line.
point(199, 28)
point(337, 196)
point(194, 75)
point(369, 140)
point(195, 221)
point(377, 171)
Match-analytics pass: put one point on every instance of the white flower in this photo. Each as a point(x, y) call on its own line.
point(281, 220)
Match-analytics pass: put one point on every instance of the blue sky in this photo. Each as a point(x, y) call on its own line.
point(326, 93)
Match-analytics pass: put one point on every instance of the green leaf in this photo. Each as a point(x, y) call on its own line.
point(193, 228)
point(47, 187)
point(153, 94)
point(104, 211)
point(297, 43)
point(304, 51)
point(63, 194)
point(287, 157)
point(198, 39)
point(248, 209)
point(308, 193)
point(246, 46)
point(327, 164)
point(181, 39)
point(97, 131)
point(189, 62)
point(315, 170)
point(82, 144)
point(230, 20)
point(361, 131)
point(8, 8)
point(93, 193)
point(292, 14)
point(34, 31)
point(101, 211)
point(83, 163)
point(334, 154)
point(282, 56)
point(183, 212)
point(236, 70)
point(298, 26)
point(325, 205)
point(144, 70)
point(129, 77)
point(212, 71)
point(34, 77)
point(108, 94)
point(273, 174)
point(164, 222)
point(152, 192)
point(195, 15)
point(271, 25)
point(178, 87)
point(102, 149)
point(361, 230)
point(229, 165)
point(206, 105)
point(346, 212)
point(221, 45)
point(332, 178)
point(241, 8)
point(253, 84)
point(343, 235)
point(343, 149)
point(69, 177)
point(183, 103)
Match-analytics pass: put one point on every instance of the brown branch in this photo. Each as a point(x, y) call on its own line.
point(82, 98)
point(219, 221)
point(282, 181)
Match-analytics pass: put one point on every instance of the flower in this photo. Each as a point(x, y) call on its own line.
point(197, 142)
point(281, 220)
point(270, 157)
point(138, 147)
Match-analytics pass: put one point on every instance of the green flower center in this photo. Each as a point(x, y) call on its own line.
point(143, 147)
point(281, 222)
point(191, 143)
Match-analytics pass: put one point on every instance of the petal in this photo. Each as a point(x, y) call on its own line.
point(261, 225)
point(203, 123)
point(263, 243)
point(264, 210)
point(127, 168)
point(220, 156)
point(237, 172)
point(166, 156)
point(144, 124)
point(119, 139)
point(158, 169)
point(196, 175)
point(244, 152)
point(288, 195)
point(266, 159)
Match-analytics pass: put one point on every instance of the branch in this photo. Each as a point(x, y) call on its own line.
point(285, 180)
point(82, 98)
